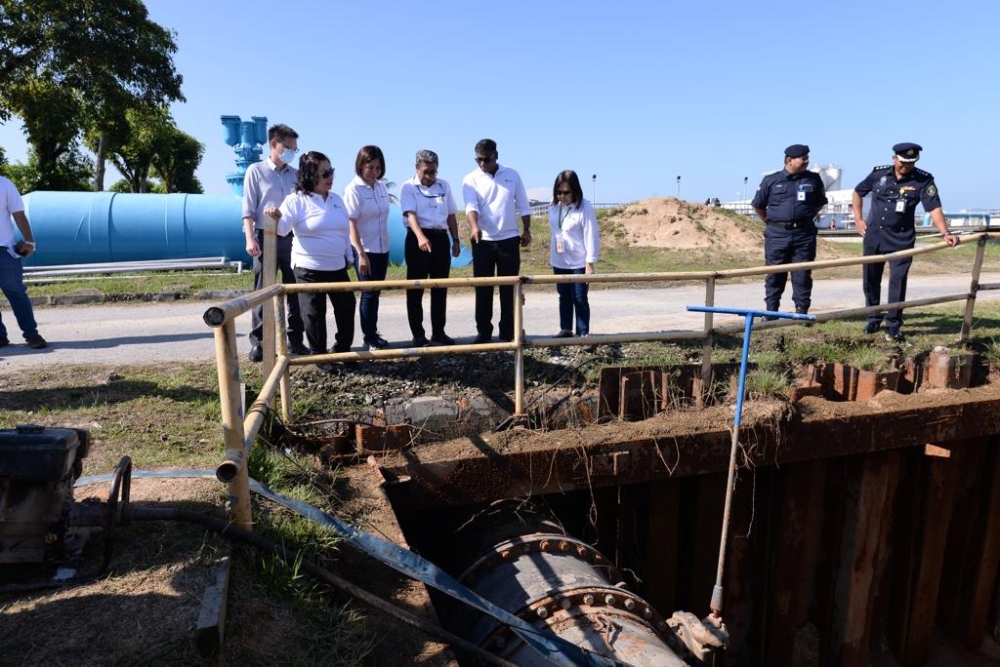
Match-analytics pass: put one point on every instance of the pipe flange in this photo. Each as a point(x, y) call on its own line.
point(551, 543)
point(570, 605)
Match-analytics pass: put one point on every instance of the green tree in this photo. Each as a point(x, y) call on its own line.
point(177, 160)
point(71, 171)
point(146, 132)
point(104, 56)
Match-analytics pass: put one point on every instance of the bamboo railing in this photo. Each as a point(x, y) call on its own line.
point(240, 431)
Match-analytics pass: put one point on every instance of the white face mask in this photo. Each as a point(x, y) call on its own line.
point(287, 156)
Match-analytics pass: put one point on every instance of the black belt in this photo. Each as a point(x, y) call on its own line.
point(801, 223)
point(431, 231)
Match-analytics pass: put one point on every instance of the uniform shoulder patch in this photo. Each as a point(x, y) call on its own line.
point(931, 190)
point(923, 173)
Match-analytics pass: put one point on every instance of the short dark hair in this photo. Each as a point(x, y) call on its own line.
point(369, 154)
point(281, 132)
point(486, 147)
point(309, 170)
point(570, 178)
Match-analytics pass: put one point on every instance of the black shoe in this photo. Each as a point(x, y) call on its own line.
point(420, 342)
point(36, 342)
point(256, 354)
point(564, 333)
point(506, 338)
point(801, 310)
point(4, 341)
point(378, 344)
point(442, 339)
point(894, 336)
point(872, 327)
point(296, 347)
point(483, 338)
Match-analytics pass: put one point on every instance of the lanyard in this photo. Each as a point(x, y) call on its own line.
point(562, 215)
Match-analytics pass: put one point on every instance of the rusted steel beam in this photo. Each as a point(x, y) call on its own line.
point(797, 533)
point(970, 569)
point(473, 469)
point(939, 479)
point(981, 582)
point(746, 580)
point(868, 503)
point(662, 544)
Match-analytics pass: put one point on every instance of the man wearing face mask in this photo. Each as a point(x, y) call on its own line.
point(266, 184)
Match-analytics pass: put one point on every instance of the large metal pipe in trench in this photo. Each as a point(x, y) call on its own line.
point(523, 561)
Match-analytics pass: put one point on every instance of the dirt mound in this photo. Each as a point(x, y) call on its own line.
point(666, 222)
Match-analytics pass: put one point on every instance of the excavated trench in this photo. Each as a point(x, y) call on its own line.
point(866, 513)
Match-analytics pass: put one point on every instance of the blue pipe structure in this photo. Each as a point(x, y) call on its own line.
point(105, 227)
point(99, 227)
point(749, 314)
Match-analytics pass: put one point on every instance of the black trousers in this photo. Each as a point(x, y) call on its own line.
point(313, 307)
point(880, 242)
point(788, 246)
point(496, 258)
point(284, 248)
point(421, 265)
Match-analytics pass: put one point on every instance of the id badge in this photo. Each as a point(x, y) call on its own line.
point(802, 195)
point(560, 248)
point(901, 206)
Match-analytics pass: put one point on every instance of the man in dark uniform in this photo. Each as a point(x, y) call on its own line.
point(788, 201)
point(896, 190)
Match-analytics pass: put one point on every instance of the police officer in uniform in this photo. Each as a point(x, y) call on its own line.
point(896, 190)
point(788, 201)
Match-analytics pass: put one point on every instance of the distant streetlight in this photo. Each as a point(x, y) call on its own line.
point(678, 187)
point(745, 179)
point(594, 181)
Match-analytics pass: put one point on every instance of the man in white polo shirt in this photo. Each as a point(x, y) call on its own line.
point(267, 183)
point(11, 271)
point(494, 198)
point(429, 210)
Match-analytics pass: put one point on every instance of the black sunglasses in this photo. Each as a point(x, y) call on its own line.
point(560, 193)
point(482, 160)
point(327, 174)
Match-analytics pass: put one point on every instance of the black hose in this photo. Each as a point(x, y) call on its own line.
point(238, 533)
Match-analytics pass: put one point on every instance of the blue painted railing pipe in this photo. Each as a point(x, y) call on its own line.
point(749, 314)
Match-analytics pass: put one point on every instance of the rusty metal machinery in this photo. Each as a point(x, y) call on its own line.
point(523, 561)
point(43, 531)
point(37, 469)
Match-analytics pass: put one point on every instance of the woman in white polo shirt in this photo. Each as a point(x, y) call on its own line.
point(574, 246)
point(367, 201)
point(320, 250)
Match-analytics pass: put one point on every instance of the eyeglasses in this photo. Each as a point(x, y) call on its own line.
point(484, 160)
point(562, 193)
point(327, 174)
point(289, 148)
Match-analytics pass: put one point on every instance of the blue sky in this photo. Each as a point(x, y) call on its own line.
point(635, 92)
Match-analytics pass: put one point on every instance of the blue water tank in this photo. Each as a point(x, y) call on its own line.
point(99, 227)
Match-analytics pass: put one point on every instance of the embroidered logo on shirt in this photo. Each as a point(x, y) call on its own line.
point(931, 190)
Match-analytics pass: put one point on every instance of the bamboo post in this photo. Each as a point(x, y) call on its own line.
point(709, 342)
point(269, 257)
point(970, 303)
point(227, 362)
point(285, 383)
point(519, 351)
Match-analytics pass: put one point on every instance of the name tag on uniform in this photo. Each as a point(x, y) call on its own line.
point(801, 195)
point(560, 248)
point(901, 206)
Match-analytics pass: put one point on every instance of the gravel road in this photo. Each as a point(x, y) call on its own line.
point(165, 332)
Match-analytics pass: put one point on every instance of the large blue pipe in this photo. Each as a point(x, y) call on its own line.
point(98, 227)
